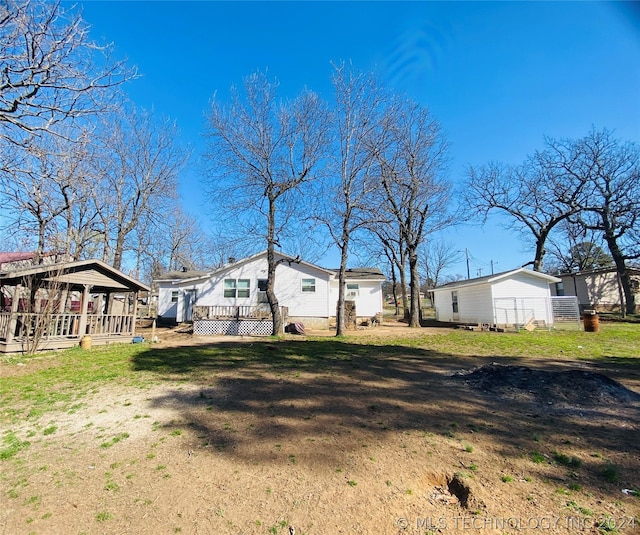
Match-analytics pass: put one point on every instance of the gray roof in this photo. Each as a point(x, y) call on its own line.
point(363, 274)
point(95, 273)
point(181, 275)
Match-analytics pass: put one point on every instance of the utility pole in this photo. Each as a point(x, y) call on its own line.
point(466, 252)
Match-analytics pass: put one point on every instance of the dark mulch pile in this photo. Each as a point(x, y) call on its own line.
point(568, 387)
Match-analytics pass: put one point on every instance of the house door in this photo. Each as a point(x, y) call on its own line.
point(187, 305)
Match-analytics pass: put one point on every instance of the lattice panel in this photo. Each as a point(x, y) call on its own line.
point(244, 327)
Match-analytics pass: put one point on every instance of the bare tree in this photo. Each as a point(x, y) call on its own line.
point(536, 195)
point(610, 170)
point(437, 256)
point(348, 191)
point(574, 248)
point(138, 170)
point(388, 234)
point(262, 150)
point(173, 243)
point(416, 194)
point(51, 70)
point(41, 187)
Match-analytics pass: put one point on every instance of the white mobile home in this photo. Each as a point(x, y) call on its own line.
point(308, 292)
point(514, 297)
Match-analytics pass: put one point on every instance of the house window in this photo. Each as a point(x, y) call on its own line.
point(559, 289)
point(353, 289)
point(309, 285)
point(454, 302)
point(236, 288)
point(174, 296)
point(262, 285)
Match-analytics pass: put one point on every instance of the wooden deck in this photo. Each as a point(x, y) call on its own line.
point(61, 331)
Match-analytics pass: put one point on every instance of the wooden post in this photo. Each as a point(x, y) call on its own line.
point(135, 312)
point(15, 299)
point(82, 328)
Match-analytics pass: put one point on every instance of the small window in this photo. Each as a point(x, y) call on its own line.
point(230, 288)
point(309, 285)
point(236, 288)
point(353, 289)
point(262, 285)
point(174, 296)
point(243, 288)
point(559, 289)
point(454, 302)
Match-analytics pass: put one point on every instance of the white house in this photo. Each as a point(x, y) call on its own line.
point(309, 292)
point(515, 297)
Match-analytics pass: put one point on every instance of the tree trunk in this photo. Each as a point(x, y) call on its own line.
point(119, 251)
point(629, 306)
point(414, 286)
point(274, 306)
point(403, 288)
point(537, 261)
point(342, 284)
point(394, 289)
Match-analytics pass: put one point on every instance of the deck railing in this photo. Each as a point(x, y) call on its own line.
point(67, 325)
point(109, 324)
point(233, 312)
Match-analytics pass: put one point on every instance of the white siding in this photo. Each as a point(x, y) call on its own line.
point(368, 301)
point(288, 287)
point(526, 296)
point(442, 304)
point(166, 308)
point(290, 294)
point(521, 291)
point(302, 306)
point(593, 289)
point(474, 304)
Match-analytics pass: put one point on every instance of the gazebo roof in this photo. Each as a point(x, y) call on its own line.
point(99, 276)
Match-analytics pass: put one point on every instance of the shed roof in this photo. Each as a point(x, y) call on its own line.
point(498, 277)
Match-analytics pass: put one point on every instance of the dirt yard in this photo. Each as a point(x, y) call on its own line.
point(401, 442)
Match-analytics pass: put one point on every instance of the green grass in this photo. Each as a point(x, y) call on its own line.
point(11, 445)
point(537, 457)
point(60, 386)
point(74, 373)
point(566, 460)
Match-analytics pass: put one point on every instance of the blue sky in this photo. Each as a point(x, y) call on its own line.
point(499, 76)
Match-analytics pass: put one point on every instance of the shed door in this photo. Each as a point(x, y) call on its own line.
point(454, 305)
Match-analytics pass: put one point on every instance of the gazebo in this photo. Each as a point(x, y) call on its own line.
point(53, 306)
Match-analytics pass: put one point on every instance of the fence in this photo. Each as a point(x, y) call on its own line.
point(231, 312)
point(548, 312)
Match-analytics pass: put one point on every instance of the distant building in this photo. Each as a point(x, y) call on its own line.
point(17, 260)
point(597, 289)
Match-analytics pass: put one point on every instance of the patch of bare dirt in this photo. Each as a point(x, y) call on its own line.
point(576, 388)
point(378, 444)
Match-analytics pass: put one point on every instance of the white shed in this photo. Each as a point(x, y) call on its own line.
point(515, 297)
